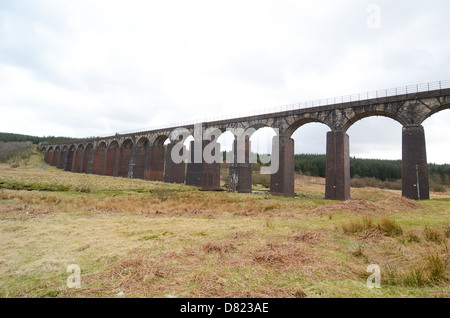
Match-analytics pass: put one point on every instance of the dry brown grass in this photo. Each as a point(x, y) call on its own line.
point(312, 237)
point(283, 255)
point(221, 247)
point(149, 239)
point(355, 206)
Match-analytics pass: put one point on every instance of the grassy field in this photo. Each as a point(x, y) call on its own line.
point(134, 238)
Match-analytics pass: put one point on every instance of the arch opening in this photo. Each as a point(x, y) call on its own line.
point(375, 154)
point(78, 159)
point(127, 143)
point(125, 159)
point(300, 123)
point(438, 152)
point(88, 152)
point(310, 146)
point(143, 142)
point(161, 140)
point(102, 145)
point(113, 144)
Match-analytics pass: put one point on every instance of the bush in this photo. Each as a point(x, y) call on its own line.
point(13, 152)
point(433, 235)
point(358, 182)
point(389, 227)
point(262, 179)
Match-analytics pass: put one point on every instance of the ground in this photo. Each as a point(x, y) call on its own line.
point(134, 238)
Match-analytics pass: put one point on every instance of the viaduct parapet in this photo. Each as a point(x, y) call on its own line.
point(143, 155)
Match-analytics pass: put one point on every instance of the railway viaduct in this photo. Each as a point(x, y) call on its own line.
point(144, 155)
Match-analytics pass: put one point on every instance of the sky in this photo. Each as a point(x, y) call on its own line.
point(94, 68)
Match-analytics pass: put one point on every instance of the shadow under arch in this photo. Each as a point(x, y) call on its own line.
point(56, 154)
point(161, 140)
point(112, 152)
point(68, 166)
point(88, 152)
point(78, 159)
point(62, 158)
point(141, 159)
point(125, 159)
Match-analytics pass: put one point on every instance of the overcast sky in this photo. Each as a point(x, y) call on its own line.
point(84, 68)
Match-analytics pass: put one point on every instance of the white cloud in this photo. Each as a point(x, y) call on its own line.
point(91, 68)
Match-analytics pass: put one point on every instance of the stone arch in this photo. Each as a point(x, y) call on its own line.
point(113, 144)
point(143, 142)
point(127, 143)
point(301, 122)
point(102, 145)
point(370, 113)
point(160, 140)
point(434, 111)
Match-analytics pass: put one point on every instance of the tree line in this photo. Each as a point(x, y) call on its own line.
point(10, 137)
point(384, 170)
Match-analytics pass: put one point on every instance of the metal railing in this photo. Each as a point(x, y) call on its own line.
point(411, 89)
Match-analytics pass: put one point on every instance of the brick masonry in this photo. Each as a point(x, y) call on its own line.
point(174, 172)
point(414, 164)
point(157, 163)
point(282, 182)
point(69, 160)
point(141, 162)
point(78, 155)
point(337, 185)
point(110, 161)
point(193, 169)
point(98, 161)
point(240, 175)
point(410, 110)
